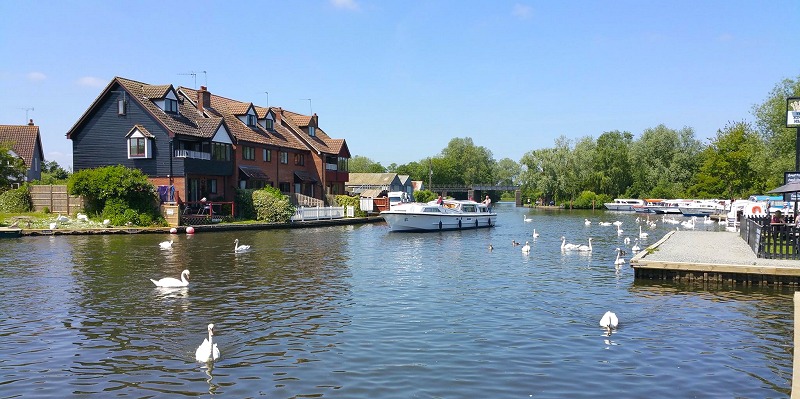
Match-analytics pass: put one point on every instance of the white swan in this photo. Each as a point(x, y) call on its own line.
point(642, 235)
point(609, 321)
point(526, 248)
point(627, 240)
point(526, 219)
point(106, 222)
point(587, 222)
point(207, 351)
point(605, 223)
point(535, 234)
point(619, 230)
point(619, 261)
point(62, 219)
point(166, 244)
point(565, 246)
point(82, 217)
point(617, 223)
point(586, 248)
point(170, 282)
point(239, 248)
point(635, 247)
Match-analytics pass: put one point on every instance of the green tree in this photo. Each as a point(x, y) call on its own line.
point(53, 173)
point(612, 166)
point(12, 168)
point(663, 162)
point(361, 164)
point(466, 163)
point(507, 171)
point(771, 124)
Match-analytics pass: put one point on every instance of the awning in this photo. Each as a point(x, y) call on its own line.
point(305, 177)
point(254, 172)
point(792, 187)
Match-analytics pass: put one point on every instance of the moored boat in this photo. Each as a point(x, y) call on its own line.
point(702, 208)
point(449, 215)
point(623, 204)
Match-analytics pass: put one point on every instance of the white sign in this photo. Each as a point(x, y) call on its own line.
point(793, 119)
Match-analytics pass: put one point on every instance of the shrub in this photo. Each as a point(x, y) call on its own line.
point(123, 195)
point(16, 200)
point(272, 206)
point(425, 196)
point(346, 200)
point(244, 203)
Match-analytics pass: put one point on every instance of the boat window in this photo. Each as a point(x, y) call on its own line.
point(468, 208)
point(436, 209)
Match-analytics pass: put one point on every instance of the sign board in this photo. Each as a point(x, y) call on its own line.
point(793, 112)
point(791, 177)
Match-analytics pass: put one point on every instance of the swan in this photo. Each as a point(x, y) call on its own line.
point(627, 240)
point(617, 223)
point(707, 220)
point(169, 282)
point(535, 234)
point(526, 219)
point(207, 351)
point(635, 247)
point(565, 246)
point(53, 226)
point(586, 248)
point(82, 217)
point(619, 231)
point(491, 247)
point(62, 219)
point(619, 261)
point(609, 321)
point(106, 222)
point(239, 248)
point(587, 222)
point(642, 235)
point(166, 244)
point(605, 223)
point(526, 248)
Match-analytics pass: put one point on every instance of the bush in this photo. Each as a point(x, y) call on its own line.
point(16, 200)
point(346, 200)
point(244, 203)
point(425, 196)
point(123, 195)
point(272, 206)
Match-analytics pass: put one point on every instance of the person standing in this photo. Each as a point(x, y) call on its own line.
point(488, 203)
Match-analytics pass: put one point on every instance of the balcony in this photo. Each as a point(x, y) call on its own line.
point(192, 154)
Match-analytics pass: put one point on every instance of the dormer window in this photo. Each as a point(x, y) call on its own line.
point(269, 123)
point(312, 131)
point(139, 143)
point(170, 106)
point(251, 120)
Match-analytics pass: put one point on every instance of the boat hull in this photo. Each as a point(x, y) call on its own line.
point(419, 222)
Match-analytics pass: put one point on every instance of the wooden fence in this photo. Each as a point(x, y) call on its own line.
point(56, 199)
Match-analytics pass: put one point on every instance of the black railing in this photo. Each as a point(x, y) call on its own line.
point(771, 240)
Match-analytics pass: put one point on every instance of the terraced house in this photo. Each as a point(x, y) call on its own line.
point(205, 145)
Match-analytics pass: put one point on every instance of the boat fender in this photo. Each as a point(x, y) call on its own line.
point(476, 223)
point(459, 223)
point(440, 225)
point(755, 209)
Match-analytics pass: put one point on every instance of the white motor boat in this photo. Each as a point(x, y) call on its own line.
point(623, 204)
point(702, 208)
point(431, 216)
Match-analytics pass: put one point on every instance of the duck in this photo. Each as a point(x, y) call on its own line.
point(514, 243)
point(609, 321)
point(170, 282)
point(535, 234)
point(586, 248)
point(166, 244)
point(491, 248)
point(619, 261)
point(526, 248)
point(207, 351)
point(526, 219)
point(239, 248)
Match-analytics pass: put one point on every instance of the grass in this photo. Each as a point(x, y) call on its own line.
point(41, 220)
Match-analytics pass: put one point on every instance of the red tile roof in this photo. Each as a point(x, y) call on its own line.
point(23, 139)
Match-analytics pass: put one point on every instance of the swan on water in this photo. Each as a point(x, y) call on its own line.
point(239, 248)
point(617, 223)
point(166, 244)
point(526, 218)
point(627, 240)
point(491, 247)
point(605, 223)
point(609, 321)
point(619, 231)
point(565, 246)
point(207, 351)
point(586, 248)
point(170, 282)
point(587, 222)
point(535, 234)
point(619, 261)
point(641, 234)
point(526, 248)
point(635, 247)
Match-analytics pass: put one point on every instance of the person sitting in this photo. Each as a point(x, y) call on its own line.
point(777, 218)
point(440, 201)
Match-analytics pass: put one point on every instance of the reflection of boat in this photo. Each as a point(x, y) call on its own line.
point(623, 204)
point(450, 215)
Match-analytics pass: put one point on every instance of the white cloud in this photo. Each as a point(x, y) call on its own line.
point(522, 11)
point(36, 76)
point(91, 81)
point(346, 4)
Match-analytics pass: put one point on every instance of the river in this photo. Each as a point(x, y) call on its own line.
point(361, 312)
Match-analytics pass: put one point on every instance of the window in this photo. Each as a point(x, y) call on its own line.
point(212, 186)
point(343, 164)
point(312, 131)
point(251, 120)
point(248, 153)
point(220, 152)
point(285, 187)
point(284, 157)
point(137, 147)
point(267, 155)
point(121, 107)
point(269, 123)
point(299, 159)
point(171, 106)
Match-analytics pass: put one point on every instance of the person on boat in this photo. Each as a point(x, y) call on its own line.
point(440, 201)
point(488, 202)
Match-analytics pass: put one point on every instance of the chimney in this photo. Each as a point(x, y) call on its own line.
point(30, 123)
point(203, 99)
point(278, 115)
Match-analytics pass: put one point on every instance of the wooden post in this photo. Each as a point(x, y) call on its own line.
point(796, 360)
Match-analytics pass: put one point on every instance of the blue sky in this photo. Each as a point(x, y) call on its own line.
point(399, 80)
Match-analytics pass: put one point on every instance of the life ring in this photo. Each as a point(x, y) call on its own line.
point(755, 209)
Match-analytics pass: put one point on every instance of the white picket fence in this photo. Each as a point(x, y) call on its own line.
point(321, 212)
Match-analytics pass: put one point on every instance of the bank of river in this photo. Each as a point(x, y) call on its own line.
point(355, 311)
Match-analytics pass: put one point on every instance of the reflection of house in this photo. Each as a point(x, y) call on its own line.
point(25, 143)
point(372, 184)
point(207, 145)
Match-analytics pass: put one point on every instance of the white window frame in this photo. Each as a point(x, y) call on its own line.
point(148, 150)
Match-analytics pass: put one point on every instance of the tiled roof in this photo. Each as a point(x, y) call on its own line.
point(155, 91)
point(142, 129)
point(181, 123)
point(23, 140)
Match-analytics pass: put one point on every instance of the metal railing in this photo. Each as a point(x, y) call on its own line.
point(769, 240)
point(192, 154)
point(317, 213)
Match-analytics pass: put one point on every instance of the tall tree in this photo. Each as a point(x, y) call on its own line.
point(729, 168)
point(507, 171)
point(361, 164)
point(771, 123)
point(475, 164)
point(612, 163)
